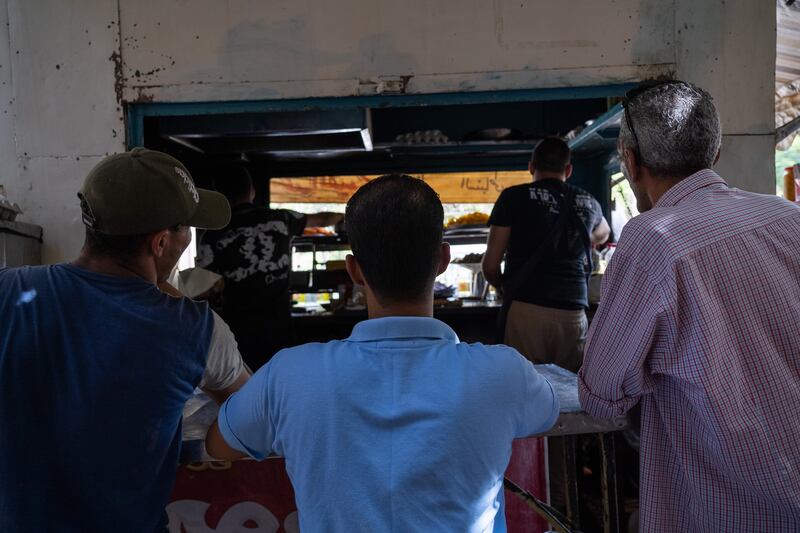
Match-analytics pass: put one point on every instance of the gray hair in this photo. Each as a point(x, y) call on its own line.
point(677, 127)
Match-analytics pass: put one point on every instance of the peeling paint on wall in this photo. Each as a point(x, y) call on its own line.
point(287, 51)
point(119, 79)
point(142, 96)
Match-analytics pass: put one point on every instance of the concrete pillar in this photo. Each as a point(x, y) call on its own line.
point(728, 48)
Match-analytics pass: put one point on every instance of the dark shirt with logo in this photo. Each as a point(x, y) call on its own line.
point(252, 255)
point(531, 211)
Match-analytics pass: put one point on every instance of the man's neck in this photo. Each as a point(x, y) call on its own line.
point(114, 266)
point(658, 186)
point(539, 176)
point(375, 309)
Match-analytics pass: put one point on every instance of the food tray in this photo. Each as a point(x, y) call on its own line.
point(466, 228)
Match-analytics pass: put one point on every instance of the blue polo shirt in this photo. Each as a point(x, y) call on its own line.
point(400, 427)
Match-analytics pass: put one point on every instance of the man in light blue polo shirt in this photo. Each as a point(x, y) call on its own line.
point(400, 427)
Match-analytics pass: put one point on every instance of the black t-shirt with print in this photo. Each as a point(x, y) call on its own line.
point(252, 254)
point(531, 210)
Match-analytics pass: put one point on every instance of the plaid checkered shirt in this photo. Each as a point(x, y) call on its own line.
point(700, 323)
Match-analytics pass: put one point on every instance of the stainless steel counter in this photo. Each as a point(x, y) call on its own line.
point(573, 420)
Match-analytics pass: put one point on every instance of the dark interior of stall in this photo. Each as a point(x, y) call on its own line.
point(376, 140)
point(416, 139)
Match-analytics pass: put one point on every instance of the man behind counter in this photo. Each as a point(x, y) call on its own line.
point(96, 363)
point(399, 427)
point(252, 254)
point(545, 230)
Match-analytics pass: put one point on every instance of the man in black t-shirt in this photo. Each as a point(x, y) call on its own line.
point(252, 254)
point(546, 319)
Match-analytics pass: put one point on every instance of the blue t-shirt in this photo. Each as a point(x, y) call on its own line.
point(94, 373)
point(398, 428)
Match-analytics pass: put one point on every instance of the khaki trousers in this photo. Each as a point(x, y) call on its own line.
point(546, 334)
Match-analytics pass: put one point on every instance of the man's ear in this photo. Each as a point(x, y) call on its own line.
point(354, 270)
point(568, 171)
point(634, 170)
point(158, 242)
point(444, 260)
point(531, 168)
point(716, 158)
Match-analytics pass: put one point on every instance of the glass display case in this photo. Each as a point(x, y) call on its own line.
point(319, 278)
point(467, 246)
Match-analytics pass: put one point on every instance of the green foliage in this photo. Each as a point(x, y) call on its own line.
point(623, 197)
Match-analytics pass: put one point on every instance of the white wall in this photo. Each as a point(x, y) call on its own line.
point(244, 49)
point(8, 149)
point(79, 61)
point(66, 114)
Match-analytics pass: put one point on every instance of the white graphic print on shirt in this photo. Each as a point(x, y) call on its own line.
point(257, 252)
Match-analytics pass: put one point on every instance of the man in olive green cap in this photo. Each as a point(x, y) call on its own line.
point(96, 362)
point(139, 206)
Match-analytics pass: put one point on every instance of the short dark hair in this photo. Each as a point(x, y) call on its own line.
point(551, 154)
point(234, 182)
point(395, 224)
point(122, 246)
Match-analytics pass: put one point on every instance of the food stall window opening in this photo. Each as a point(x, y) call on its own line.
point(468, 198)
point(474, 132)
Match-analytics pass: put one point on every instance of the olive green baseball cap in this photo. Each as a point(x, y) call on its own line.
point(141, 191)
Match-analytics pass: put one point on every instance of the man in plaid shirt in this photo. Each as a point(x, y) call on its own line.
point(700, 324)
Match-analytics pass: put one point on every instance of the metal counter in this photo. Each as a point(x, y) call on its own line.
point(573, 420)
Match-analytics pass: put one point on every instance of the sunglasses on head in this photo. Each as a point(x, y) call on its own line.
point(631, 95)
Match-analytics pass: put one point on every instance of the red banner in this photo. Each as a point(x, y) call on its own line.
point(222, 497)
